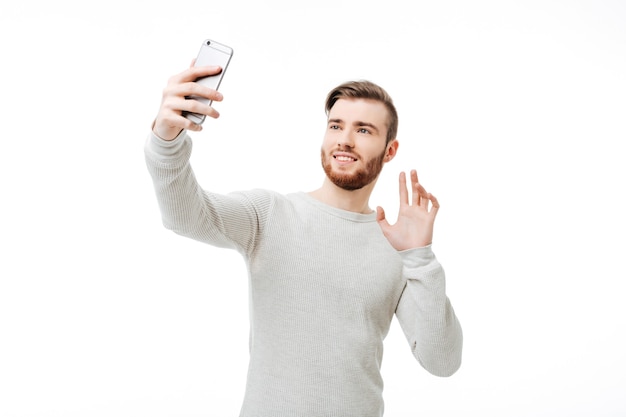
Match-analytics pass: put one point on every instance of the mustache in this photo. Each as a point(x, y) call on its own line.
point(346, 150)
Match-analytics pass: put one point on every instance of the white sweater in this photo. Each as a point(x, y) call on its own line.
point(324, 285)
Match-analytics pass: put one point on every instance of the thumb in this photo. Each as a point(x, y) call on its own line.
point(380, 217)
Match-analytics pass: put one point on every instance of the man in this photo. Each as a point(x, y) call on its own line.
point(326, 272)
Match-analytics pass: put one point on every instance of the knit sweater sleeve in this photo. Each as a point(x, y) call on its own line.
point(230, 221)
point(426, 315)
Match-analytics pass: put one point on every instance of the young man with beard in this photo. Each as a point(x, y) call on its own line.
point(326, 272)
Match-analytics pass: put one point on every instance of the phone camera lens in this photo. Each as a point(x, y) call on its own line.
point(208, 42)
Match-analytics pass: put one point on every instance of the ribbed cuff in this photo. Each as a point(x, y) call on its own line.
point(417, 257)
point(167, 149)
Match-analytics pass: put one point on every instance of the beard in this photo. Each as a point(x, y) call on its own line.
point(357, 180)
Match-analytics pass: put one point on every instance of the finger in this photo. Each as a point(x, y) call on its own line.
point(380, 218)
point(190, 89)
point(169, 125)
point(423, 195)
point(404, 193)
point(193, 73)
point(419, 194)
point(415, 188)
point(434, 202)
point(189, 125)
point(179, 105)
point(380, 214)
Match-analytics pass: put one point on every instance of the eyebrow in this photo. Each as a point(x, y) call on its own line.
point(357, 123)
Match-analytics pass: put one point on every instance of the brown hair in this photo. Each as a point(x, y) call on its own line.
point(366, 90)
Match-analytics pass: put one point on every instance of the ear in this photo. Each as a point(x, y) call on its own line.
point(392, 149)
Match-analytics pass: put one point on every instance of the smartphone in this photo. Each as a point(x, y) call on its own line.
point(211, 53)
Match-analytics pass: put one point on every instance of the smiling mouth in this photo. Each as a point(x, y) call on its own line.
point(343, 158)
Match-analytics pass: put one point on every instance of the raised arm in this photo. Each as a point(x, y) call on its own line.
point(170, 121)
point(426, 315)
point(231, 220)
point(424, 310)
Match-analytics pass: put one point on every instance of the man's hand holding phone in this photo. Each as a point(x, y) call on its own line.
point(170, 120)
point(188, 96)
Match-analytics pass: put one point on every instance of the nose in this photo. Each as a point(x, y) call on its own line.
point(345, 139)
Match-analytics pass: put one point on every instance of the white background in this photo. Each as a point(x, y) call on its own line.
point(513, 112)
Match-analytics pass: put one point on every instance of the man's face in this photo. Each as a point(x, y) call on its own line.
point(354, 145)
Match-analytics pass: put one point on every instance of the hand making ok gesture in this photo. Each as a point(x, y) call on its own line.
point(416, 218)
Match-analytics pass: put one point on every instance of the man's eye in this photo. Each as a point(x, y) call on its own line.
point(334, 127)
point(364, 130)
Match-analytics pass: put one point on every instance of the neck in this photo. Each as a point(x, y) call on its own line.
point(356, 200)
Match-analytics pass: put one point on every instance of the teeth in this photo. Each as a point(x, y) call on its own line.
point(344, 158)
